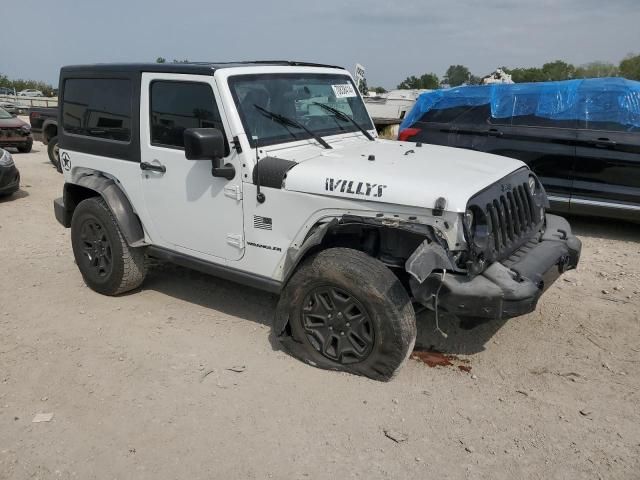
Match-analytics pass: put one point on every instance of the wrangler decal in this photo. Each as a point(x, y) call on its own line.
point(354, 187)
point(266, 247)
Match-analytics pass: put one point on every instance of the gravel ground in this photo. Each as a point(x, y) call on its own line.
point(182, 379)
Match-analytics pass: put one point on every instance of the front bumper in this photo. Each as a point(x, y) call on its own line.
point(15, 140)
point(510, 288)
point(9, 180)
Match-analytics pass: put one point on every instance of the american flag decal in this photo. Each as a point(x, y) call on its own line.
point(264, 223)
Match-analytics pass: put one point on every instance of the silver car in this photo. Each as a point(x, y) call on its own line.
point(30, 93)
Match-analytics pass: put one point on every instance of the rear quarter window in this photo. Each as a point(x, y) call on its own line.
point(99, 108)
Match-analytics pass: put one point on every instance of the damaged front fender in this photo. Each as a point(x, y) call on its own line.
point(429, 256)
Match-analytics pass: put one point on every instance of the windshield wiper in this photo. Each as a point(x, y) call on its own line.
point(343, 116)
point(285, 121)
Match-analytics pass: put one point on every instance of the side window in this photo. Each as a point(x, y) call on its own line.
point(609, 111)
point(476, 116)
point(524, 110)
point(176, 106)
point(97, 108)
point(444, 115)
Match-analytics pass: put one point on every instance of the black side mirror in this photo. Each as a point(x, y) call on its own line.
point(208, 144)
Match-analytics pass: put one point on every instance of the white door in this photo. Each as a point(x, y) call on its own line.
point(189, 209)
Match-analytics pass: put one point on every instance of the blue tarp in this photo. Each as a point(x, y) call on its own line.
point(590, 100)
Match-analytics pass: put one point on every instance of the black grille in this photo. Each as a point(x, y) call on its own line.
point(511, 217)
point(11, 132)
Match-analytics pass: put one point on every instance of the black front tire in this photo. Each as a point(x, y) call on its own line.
point(372, 293)
point(26, 148)
point(108, 265)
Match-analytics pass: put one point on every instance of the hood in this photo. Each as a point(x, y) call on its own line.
point(13, 122)
point(398, 173)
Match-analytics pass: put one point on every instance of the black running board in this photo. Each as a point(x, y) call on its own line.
point(217, 270)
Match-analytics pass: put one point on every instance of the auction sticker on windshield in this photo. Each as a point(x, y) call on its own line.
point(344, 90)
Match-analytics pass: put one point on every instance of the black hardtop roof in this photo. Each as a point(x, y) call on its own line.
point(202, 68)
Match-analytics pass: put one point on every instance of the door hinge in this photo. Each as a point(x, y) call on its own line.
point(235, 240)
point(233, 191)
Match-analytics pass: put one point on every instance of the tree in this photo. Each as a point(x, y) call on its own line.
point(473, 80)
point(522, 75)
point(379, 90)
point(427, 81)
point(362, 86)
point(558, 70)
point(551, 71)
point(409, 83)
point(20, 84)
point(457, 75)
point(596, 70)
point(630, 67)
point(161, 60)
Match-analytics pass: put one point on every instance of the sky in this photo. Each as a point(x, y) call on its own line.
point(391, 39)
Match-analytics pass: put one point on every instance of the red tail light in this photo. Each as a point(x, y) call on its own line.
point(407, 133)
point(34, 115)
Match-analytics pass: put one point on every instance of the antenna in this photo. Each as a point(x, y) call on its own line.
point(259, 195)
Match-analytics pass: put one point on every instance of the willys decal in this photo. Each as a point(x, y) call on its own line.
point(354, 187)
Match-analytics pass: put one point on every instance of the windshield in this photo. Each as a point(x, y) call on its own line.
point(5, 114)
point(298, 97)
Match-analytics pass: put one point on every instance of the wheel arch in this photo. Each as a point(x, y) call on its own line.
point(325, 234)
point(97, 185)
point(49, 130)
point(339, 232)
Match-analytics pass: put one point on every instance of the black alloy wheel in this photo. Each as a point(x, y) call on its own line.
point(97, 250)
point(337, 325)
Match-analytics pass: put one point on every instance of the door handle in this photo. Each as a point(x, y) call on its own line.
point(603, 142)
point(152, 167)
point(494, 132)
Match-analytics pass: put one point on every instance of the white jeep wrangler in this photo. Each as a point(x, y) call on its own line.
point(270, 174)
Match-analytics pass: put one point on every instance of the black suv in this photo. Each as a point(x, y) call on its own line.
point(581, 137)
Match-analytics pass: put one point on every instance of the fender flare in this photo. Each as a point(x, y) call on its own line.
point(296, 254)
point(118, 203)
point(293, 258)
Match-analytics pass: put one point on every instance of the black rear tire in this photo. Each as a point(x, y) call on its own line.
point(108, 265)
point(347, 311)
point(53, 152)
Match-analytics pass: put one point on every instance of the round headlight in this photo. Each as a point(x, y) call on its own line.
point(532, 185)
point(468, 219)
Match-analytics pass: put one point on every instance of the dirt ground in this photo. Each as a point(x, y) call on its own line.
point(182, 379)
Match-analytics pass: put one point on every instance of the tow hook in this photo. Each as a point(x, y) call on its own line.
point(564, 234)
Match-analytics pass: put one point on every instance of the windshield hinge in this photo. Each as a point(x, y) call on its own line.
point(233, 191)
point(236, 144)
